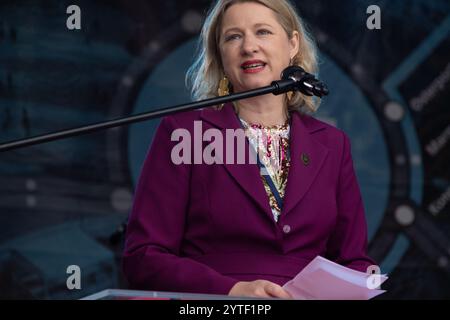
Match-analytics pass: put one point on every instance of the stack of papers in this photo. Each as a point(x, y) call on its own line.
point(326, 280)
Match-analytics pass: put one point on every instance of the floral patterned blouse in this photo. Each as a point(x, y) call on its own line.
point(272, 145)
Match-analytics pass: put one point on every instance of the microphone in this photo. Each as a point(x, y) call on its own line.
point(305, 82)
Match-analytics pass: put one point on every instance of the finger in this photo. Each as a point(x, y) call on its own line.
point(277, 291)
point(261, 292)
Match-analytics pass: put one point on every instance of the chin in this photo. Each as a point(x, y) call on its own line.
point(256, 84)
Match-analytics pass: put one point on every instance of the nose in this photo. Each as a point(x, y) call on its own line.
point(249, 45)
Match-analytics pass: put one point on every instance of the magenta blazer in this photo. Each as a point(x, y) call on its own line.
point(201, 228)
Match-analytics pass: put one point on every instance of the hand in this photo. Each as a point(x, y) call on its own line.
point(260, 289)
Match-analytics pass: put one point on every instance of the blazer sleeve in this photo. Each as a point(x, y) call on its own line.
point(348, 242)
point(155, 230)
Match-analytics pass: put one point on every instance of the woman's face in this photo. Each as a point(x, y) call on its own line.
point(254, 47)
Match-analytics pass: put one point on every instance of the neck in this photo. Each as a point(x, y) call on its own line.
point(267, 110)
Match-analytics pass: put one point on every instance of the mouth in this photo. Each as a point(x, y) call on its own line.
point(253, 66)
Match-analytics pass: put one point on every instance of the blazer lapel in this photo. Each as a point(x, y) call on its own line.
point(246, 175)
point(307, 157)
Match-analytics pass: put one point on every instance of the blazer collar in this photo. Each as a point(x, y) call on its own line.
point(224, 119)
point(307, 157)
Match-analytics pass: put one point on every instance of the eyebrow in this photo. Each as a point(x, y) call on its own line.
point(255, 26)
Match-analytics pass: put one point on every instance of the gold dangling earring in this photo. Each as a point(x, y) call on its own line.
point(223, 89)
point(289, 95)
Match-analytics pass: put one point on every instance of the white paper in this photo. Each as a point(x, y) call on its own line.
point(326, 280)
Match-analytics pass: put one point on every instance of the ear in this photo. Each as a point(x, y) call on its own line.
point(294, 43)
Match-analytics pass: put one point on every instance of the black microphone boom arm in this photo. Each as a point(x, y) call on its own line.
point(292, 83)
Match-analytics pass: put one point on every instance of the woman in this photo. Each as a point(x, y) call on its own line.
point(245, 229)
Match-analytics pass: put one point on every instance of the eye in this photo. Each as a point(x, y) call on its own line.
point(234, 36)
point(263, 31)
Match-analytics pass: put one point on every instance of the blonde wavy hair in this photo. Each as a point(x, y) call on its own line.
point(205, 73)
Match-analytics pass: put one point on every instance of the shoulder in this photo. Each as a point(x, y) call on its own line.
point(184, 119)
point(326, 133)
point(323, 134)
point(333, 139)
point(219, 118)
